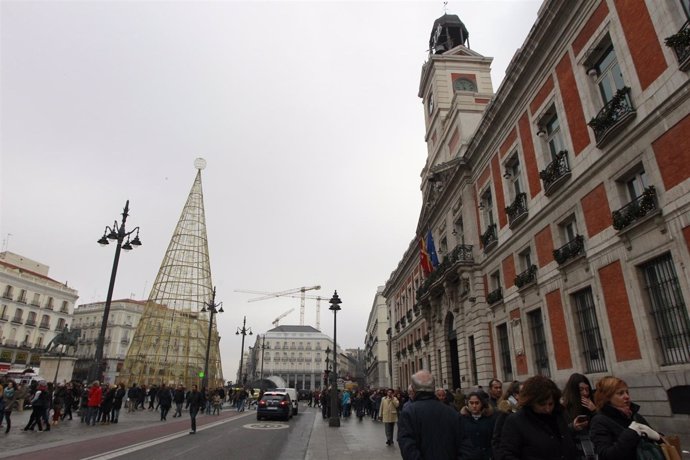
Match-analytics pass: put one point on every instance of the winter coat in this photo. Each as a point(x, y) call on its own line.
point(389, 409)
point(195, 399)
point(9, 397)
point(108, 400)
point(530, 436)
point(164, 398)
point(478, 432)
point(612, 438)
point(95, 396)
point(178, 396)
point(119, 396)
point(504, 409)
point(430, 430)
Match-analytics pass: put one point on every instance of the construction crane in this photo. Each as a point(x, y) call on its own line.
point(287, 293)
point(318, 299)
point(277, 320)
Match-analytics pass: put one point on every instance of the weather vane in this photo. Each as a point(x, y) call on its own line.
point(445, 7)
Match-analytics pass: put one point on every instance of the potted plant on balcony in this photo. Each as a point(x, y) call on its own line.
point(679, 40)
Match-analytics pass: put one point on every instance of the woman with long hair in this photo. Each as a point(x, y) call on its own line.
point(579, 409)
point(477, 421)
point(538, 430)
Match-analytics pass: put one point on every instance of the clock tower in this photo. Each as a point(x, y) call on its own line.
point(455, 87)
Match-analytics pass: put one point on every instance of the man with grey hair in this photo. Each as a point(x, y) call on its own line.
point(429, 429)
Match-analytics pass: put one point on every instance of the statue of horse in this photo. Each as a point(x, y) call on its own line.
point(65, 337)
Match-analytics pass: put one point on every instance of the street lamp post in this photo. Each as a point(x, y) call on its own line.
point(117, 233)
point(212, 308)
point(263, 348)
point(244, 331)
point(335, 307)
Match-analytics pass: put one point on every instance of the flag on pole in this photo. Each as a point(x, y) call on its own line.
point(431, 249)
point(427, 254)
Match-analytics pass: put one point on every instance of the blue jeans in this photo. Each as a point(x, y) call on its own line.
point(91, 415)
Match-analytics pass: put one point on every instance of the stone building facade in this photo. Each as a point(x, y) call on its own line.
point(33, 309)
point(559, 207)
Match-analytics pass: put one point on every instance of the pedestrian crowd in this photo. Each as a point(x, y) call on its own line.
point(529, 420)
point(101, 403)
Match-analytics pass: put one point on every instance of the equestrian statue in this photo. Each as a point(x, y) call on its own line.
point(65, 337)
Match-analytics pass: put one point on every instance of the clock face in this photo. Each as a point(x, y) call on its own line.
point(463, 84)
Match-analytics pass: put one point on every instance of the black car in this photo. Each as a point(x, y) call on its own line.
point(274, 405)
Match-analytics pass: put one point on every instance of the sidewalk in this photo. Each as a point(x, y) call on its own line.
point(353, 439)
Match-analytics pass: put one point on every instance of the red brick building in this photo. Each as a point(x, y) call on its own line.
point(559, 206)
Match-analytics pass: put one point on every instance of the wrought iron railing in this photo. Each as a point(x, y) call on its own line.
point(494, 296)
point(680, 43)
point(612, 114)
point(517, 210)
point(489, 237)
point(555, 171)
point(418, 343)
point(526, 277)
point(569, 250)
point(462, 253)
point(636, 209)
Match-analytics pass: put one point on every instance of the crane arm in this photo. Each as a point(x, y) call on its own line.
point(271, 295)
point(277, 320)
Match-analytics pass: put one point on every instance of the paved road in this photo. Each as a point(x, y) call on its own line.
point(142, 435)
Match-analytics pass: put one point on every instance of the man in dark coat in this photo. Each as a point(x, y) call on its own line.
point(427, 428)
point(164, 400)
point(195, 401)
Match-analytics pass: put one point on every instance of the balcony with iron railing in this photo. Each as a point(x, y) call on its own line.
point(31, 322)
point(555, 173)
point(680, 43)
point(644, 205)
point(517, 210)
point(17, 320)
point(613, 116)
point(4, 318)
point(570, 250)
point(527, 277)
point(494, 296)
point(489, 238)
point(459, 256)
point(44, 326)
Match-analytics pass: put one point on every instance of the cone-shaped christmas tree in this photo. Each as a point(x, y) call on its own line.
point(169, 345)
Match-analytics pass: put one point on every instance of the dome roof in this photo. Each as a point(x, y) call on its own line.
point(448, 32)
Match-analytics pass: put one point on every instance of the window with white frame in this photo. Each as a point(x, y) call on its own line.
point(636, 184)
point(525, 258)
point(486, 205)
point(554, 137)
point(609, 78)
point(568, 229)
point(513, 176)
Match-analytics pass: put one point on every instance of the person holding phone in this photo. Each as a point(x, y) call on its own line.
point(579, 409)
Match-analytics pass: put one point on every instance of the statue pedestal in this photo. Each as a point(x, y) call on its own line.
point(60, 366)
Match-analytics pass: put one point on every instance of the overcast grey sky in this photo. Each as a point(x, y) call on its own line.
point(306, 112)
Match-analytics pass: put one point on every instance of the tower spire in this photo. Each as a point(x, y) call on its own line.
point(169, 344)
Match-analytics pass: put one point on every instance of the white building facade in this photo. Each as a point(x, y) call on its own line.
point(122, 322)
point(33, 309)
point(376, 349)
point(297, 354)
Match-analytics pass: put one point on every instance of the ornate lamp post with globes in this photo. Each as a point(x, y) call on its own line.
point(117, 233)
point(335, 307)
point(243, 332)
point(212, 308)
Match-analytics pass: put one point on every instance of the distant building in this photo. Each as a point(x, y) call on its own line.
point(33, 308)
point(376, 351)
point(297, 354)
point(122, 322)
